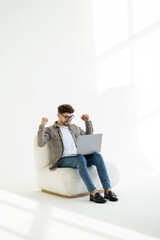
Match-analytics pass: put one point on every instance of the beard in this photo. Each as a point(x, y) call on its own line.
point(65, 123)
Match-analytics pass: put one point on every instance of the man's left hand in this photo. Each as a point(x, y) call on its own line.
point(85, 117)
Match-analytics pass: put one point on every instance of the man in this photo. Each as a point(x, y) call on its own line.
point(62, 137)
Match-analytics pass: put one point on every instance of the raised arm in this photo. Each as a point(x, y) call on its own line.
point(43, 133)
point(88, 123)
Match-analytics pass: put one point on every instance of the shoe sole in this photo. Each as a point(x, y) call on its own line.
point(97, 201)
point(112, 200)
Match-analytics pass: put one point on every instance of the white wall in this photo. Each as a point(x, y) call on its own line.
point(100, 56)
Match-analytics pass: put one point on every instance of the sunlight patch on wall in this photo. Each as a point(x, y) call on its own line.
point(110, 23)
point(113, 71)
point(147, 85)
point(145, 13)
point(147, 62)
point(6, 235)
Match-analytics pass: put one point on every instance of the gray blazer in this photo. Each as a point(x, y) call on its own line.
point(53, 136)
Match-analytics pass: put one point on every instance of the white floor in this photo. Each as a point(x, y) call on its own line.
point(28, 213)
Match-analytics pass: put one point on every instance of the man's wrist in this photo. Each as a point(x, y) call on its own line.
point(88, 121)
point(41, 126)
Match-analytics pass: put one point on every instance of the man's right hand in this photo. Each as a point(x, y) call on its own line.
point(44, 121)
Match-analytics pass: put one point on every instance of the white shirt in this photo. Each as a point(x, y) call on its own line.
point(68, 142)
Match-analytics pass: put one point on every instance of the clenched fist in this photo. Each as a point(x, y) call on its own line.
point(44, 121)
point(85, 117)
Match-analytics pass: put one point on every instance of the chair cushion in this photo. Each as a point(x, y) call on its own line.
point(66, 181)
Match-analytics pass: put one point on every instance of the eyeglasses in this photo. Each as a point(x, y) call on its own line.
point(67, 117)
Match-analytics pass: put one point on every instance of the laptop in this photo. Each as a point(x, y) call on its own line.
point(88, 144)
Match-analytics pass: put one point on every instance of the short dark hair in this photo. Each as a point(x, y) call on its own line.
point(65, 108)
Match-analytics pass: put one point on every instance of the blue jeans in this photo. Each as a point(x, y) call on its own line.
point(81, 162)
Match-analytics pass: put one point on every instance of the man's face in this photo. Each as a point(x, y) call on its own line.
point(65, 118)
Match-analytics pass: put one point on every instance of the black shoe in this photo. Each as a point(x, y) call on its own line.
point(97, 198)
point(111, 196)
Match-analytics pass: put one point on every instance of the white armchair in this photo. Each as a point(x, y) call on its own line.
point(66, 182)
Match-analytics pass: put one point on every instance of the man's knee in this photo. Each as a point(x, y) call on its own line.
point(97, 157)
point(81, 159)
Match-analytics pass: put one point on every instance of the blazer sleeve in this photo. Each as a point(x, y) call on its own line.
point(43, 135)
point(89, 128)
